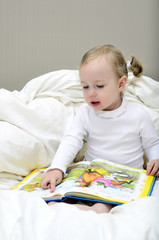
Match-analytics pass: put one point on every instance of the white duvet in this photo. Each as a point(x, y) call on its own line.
point(32, 123)
point(24, 218)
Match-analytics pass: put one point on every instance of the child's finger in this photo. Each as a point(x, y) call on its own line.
point(157, 173)
point(150, 168)
point(52, 185)
point(153, 168)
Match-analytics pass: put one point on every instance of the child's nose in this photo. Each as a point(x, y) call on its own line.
point(92, 92)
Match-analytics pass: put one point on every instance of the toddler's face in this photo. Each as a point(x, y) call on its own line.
point(100, 85)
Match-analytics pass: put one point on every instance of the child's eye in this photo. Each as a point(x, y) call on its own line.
point(100, 86)
point(85, 87)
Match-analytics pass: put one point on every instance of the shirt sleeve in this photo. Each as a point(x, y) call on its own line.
point(150, 139)
point(71, 143)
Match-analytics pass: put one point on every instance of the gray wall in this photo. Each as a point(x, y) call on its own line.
point(39, 36)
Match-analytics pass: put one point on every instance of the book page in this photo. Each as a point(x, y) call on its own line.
point(32, 183)
point(110, 181)
point(73, 173)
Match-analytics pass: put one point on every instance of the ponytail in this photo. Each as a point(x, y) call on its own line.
point(136, 67)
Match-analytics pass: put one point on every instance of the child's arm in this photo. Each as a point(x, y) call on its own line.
point(153, 168)
point(51, 178)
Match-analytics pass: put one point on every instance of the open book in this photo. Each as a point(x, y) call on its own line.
point(99, 180)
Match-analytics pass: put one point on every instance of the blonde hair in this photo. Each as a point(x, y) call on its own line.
point(117, 60)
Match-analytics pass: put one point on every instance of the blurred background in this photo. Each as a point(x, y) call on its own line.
point(40, 36)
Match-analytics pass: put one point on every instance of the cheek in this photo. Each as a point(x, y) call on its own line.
point(106, 95)
point(85, 95)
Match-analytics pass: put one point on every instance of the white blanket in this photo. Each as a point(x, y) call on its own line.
point(145, 91)
point(23, 218)
point(33, 121)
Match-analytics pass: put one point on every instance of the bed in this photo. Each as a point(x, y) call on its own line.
point(32, 123)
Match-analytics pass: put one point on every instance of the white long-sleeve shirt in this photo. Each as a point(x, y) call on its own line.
point(121, 136)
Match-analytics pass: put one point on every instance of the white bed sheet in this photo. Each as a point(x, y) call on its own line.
point(25, 217)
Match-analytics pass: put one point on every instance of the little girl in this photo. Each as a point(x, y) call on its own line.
point(116, 130)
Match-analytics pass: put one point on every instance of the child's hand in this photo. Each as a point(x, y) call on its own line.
point(153, 168)
point(51, 179)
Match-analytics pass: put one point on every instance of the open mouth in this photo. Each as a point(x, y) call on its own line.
point(94, 104)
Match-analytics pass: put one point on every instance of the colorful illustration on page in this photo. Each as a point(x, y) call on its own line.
point(34, 184)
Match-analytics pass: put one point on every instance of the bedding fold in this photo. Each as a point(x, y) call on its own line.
point(26, 218)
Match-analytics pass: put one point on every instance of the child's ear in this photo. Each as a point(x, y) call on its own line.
point(122, 83)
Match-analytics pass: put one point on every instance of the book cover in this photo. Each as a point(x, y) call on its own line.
point(99, 180)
